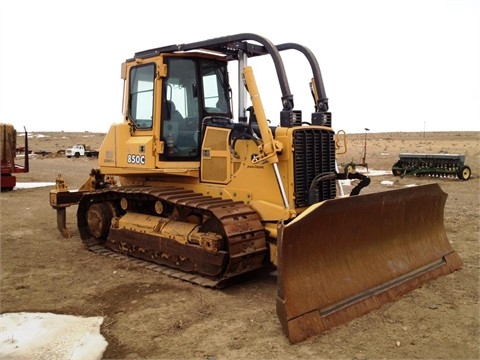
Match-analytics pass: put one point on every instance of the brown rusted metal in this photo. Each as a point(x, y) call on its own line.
point(62, 222)
point(60, 199)
point(168, 252)
point(239, 225)
point(64, 198)
point(166, 270)
point(335, 265)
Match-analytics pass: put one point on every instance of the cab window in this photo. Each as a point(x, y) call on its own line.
point(194, 89)
point(180, 110)
point(141, 96)
point(215, 88)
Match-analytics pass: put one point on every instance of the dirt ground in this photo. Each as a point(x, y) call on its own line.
point(152, 316)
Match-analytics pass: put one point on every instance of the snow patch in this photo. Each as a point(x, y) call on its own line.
point(372, 172)
point(51, 336)
point(31, 185)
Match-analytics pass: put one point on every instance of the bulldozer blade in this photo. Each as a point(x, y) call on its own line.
point(345, 257)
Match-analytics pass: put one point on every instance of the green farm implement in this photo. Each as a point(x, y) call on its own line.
point(436, 165)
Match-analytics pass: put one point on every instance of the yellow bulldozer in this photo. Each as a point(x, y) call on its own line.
point(186, 184)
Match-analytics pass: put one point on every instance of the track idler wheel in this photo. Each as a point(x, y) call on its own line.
point(99, 218)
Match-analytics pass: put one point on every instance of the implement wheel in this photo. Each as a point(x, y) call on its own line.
point(464, 173)
point(349, 168)
point(398, 168)
point(396, 172)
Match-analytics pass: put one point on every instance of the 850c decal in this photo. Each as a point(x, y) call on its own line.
point(136, 159)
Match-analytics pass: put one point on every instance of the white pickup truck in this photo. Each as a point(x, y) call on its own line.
point(81, 150)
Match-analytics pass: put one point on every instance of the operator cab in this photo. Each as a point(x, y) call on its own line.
point(194, 89)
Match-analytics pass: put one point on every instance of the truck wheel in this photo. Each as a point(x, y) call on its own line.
point(464, 173)
point(77, 155)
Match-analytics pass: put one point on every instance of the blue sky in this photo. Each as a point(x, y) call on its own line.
point(391, 65)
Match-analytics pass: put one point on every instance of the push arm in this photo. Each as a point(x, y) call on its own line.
point(269, 147)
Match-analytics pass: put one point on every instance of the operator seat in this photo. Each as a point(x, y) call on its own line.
point(184, 137)
point(172, 113)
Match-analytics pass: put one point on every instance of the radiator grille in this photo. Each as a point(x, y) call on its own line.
point(314, 154)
